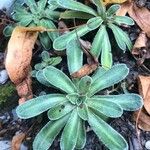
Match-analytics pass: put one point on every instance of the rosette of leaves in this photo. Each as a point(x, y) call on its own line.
point(34, 13)
point(68, 112)
point(106, 18)
point(46, 61)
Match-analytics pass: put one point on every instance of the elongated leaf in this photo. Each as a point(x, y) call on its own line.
point(45, 40)
point(97, 42)
point(69, 135)
point(59, 79)
point(61, 110)
point(32, 5)
point(106, 55)
point(84, 84)
point(111, 138)
point(41, 4)
point(108, 108)
point(114, 75)
point(53, 15)
point(123, 20)
point(98, 73)
point(77, 6)
point(61, 42)
point(74, 56)
point(82, 111)
point(45, 56)
point(129, 102)
point(81, 140)
point(38, 105)
point(41, 79)
point(48, 133)
point(94, 22)
point(50, 25)
point(100, 6)
point(75, 14)
point(121, 37)
point(112, 10)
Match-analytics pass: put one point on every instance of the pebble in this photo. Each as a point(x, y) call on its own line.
point(147, 145)
point(3, 76)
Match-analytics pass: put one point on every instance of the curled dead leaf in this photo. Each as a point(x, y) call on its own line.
point(17, 141)
point(18, 59)
point(144, 89)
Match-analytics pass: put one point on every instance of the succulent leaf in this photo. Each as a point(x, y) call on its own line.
point(111, 138)
point(114, 75)
point(81, 140)
point(112, 10)
point(59, 79)
point(69, 135)
point(83, 111)
point(48, 133)
point(74, 56)
point(108, 108)
point(129, 102)
point(60, 110)
point(77, 6)
point(123, 20)
point(36, 106)
point(72, 97)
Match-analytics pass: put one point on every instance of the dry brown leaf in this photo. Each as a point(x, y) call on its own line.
point(141, 17)
point(18, 59)
point(106, 2)
point(17, 140)
point(143, 120)
point(144, 89)
point(85, 70)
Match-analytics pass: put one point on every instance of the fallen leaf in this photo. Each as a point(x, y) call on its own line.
point(144, 90)
point(85, 70)
point(17, 141)
point(143, 120)
point(18, 59)
point(106, 2)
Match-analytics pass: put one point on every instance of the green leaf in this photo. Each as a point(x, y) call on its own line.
point(38, 105)
point(129, 102)
point(60, 110)
point(59, 79)
point(32, 5)
point(98, 40)
point(45, 56)
point(40, 77)
point(72, 98)
point(50, 25)
point(41, 4)
point(8, 30)
point(121, 37)
point(111, 138)
point(98, 73)
point(81, 140)
point(40, 66)
point(84, 85)
point(94, 23)
point(50, 14)
point(61, 42)
point(83, 111)
point(108, 108)
point(100, 6)
point(114, 75)
point(69, 14)
point(123, 20)
point(45, 40)
point(77, 6)
point(54, 61)
point(69, 135)
point(48, 133)
point(74, 56)
point(106, 55)
point(112, 10)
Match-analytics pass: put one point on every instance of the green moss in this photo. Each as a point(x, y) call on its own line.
point(6, 91)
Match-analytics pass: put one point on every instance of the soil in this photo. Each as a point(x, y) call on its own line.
point(10, 124)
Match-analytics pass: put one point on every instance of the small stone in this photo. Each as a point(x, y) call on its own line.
point(147, 145)
point(3, 76)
